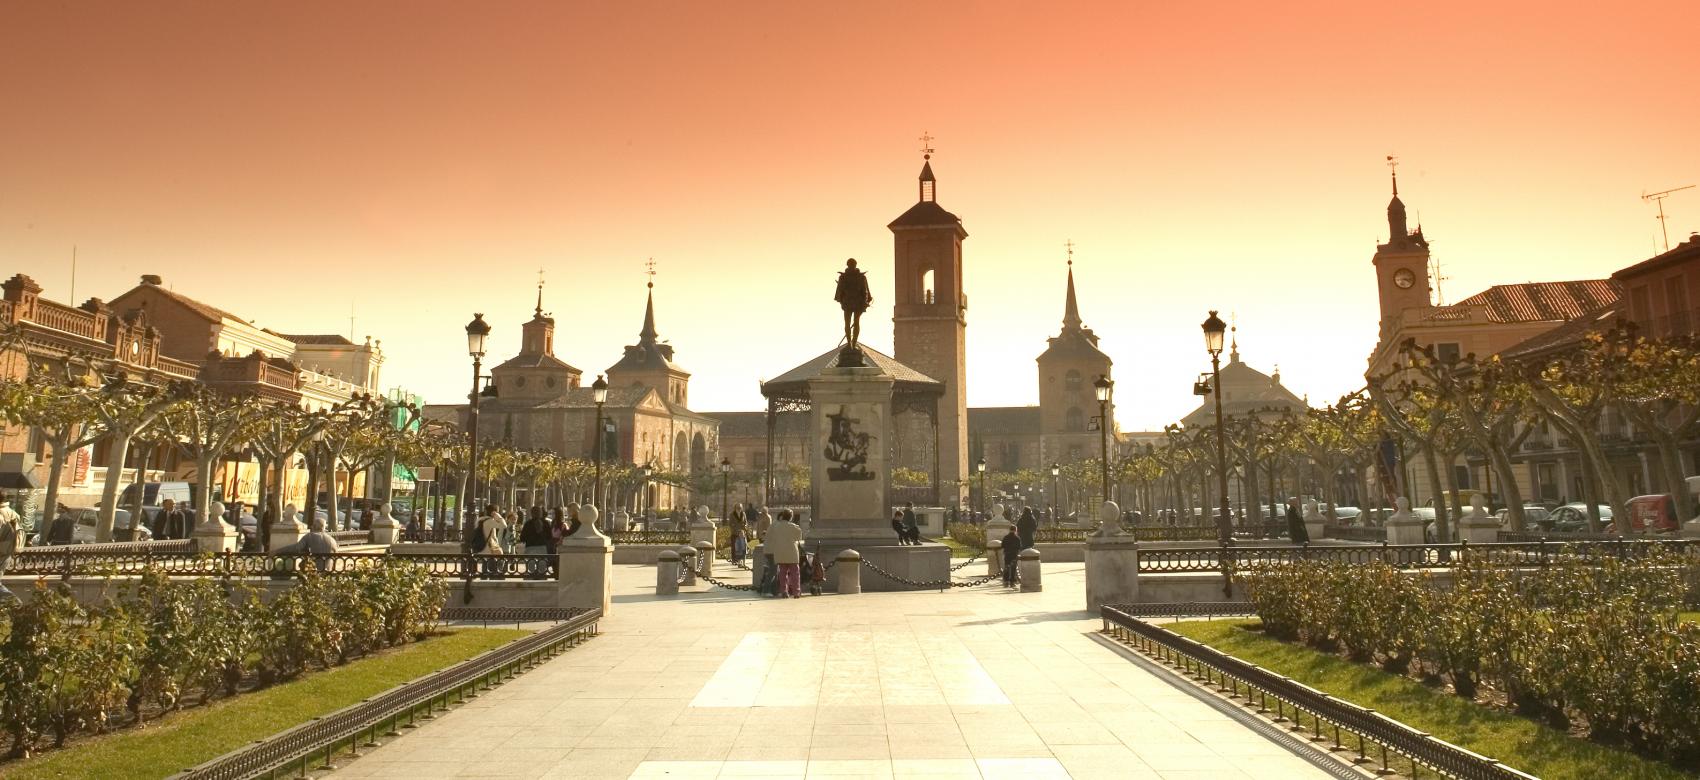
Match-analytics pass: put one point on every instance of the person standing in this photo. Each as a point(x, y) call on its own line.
point(1028, 525)
point(782, 542)
point(173, 522)
point(63, 528)
point(764, 521)
point(897, 526)
point(8, 543)
point(534, 535)
point(911, 528)
point(1011, 552)
point(1296, 522)
point(740, 543)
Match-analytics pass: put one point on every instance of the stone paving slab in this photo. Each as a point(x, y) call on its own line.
point(982, 683)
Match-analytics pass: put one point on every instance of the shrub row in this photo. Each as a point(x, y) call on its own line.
point(1599, 643)
point(969, 535)
point(66, 667)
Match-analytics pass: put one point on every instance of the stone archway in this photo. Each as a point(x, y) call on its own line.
point(681, 454)
point(699, 452)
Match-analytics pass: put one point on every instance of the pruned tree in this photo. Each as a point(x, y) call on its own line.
point(281, 432)
point(1489, 398)
point(125, 409)
point(58, 402)
point(207, 423)
point(1658, 389)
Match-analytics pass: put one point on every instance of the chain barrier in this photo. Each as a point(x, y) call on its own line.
point(727, 585)
point(944, 584)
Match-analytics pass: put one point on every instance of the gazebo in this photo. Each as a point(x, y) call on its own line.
point(912, 393)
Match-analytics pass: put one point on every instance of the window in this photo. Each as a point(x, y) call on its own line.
point(1676, 307)
point(550, 382)
point(1071, 381)
point(927, 286)
point(1461, 476)
point(519, 381)
point(1073, 420)
point(1447, 351)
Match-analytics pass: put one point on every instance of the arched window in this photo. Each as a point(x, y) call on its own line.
point(1071, 381)
point(1073, 420)
point(927, 286)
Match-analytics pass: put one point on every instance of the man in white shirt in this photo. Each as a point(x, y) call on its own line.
point(8, 542)
point(782, 542)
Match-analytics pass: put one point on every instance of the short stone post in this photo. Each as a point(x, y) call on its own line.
point(585, 566)
point(702, 529)
point(1403, 527)
point(705, 558)
point(667, 573)
point(994, 557)
point(1029, 565)
point(622, 521)
point(212, 534)
point(849, 566)
point(1478, 527)
point(1316, 526)
point(385, 527)
point(999, 524)
point(688, 564)
point(1112, 562)
point(287, 530)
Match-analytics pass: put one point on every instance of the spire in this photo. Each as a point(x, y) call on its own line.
point(1397, 230)
point(648, 334)
point(1071, 309)
point(1233, 340)
point(928, 184)
point(539, 310)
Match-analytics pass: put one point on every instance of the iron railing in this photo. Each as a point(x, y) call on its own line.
point(1357, 533)
point(157, 546)
point(293, 751)
point(236, 564)
point(1377, 736)
point(1201, 559)
point(355, 536)
point(674, 538)
point(432, 535)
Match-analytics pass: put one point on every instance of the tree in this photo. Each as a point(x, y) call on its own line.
point(126, 409)
point(205, 424)
point(60, 404)
point(1489, 398)
point(281, 433)
point(1658, 389)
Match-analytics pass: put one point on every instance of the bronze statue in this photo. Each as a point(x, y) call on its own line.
point(854, 297)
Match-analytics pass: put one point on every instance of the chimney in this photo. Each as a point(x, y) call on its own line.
point(153, 279)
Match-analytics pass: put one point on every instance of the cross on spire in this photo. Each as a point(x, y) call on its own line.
point(1069, 245)
point(926, 145)
point(650, 265)
point(539, 292)
point(1393, 165)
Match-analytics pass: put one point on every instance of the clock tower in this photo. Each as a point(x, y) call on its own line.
point(1401, 264)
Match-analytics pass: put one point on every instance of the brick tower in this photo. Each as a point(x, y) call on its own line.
point(930, 318)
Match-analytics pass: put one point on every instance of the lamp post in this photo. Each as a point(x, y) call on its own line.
point(647, 471)
point(1056, 470)
point(981, 468)
point(1103, 386)
point(477, 333)
point(1214, 329)
point(599, 394)
point(725, 487)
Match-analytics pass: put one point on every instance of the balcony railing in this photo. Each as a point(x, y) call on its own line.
point(64, 318)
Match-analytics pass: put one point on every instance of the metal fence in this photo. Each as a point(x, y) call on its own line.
point(1352, 730)
point(432, 535)
point(159, 546)
point(354, 536)
point(292, 752)
point(78, 562)
point(674, 538)
point(1404, 556)
point(1357, 533)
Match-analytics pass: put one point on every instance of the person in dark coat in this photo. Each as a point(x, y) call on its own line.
point(897, 526)
point(1011, 551)
point(1028, 525)
point(910, 528)
point(174, 523)
point(63, 528)
point(1296, 522)
point(535, 533)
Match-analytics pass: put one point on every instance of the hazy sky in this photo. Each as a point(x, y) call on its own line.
point(420, 161)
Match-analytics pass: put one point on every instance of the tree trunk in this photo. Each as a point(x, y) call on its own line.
point(1252, 500)
point(204, 467)
point(120, 451)
point(1442, 529)
point(1506, 472)
point(59, 446)
point(328, 467)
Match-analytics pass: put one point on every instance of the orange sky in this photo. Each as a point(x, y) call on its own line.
point(421, 160)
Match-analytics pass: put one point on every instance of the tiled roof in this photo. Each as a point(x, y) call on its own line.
point(926, 212)
point(1687, 250)
point(1543, 301)
point(829, 359)
point(1003, 419)
point(1247, 391)
point(329, 339)
point(753, 425)
point(210, 313)
point(1563, 337)
point(537, 360)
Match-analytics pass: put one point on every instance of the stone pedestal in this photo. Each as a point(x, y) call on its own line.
point(1478, 527)
point(213, 535)
point(1316, 526)
point(1029, 571)
point(287, 530)
point(1402, 526)
point(667, 573)
point(1112, 562)
point(849, 570)
point(587, 566)
point(994, 556)
point(705, 558)
point(622, 521)
point(385, 528)
point(702, 530)
point(999, 523)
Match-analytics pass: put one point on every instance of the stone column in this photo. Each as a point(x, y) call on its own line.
point(849, 571)
point(1403, 527)
point(1478, 527)
point(688, 564)
point(586, 566)
point(667, 573)
point(213, 535)
point(1029, 564)
point(994, 557)
point(702, 530)
point(705, 558)
point(385, 528)
point(287, 530)
point(853, 436)
point(1316, 526)
point(1112, 562)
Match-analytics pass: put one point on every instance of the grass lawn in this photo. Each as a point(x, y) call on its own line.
point(957, 549)
point(1528, 746)
point(1689, 617)
point(168, 745)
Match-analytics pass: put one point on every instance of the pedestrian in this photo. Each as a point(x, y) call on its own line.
point(557, 528)
point(782, 542)
point(764, 521)
point(366, 518)
point(315, 543)
point(735, 520)
point(487, 539)
point(911, 528)
point(1296, 522)
point(8, 544)
point(1011, 552)
point(740, 544)
point(897, 526)
point(1028, 525)
point(64, 526)
point(173, 522)
point(534, 535)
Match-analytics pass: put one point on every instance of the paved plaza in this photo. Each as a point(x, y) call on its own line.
point(971, 683)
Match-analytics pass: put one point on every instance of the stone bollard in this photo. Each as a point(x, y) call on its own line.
point(849, 572)
point(385, 528)
point(667, 573)
point(1029, 564)
point(1478, 527)
point(705, 558)
point(622, 521)
point(1112, 562)
point(1316, 526)
point(994, 558)
point(688, 565)
point(213, 535)
point(702, 529)
point(1404, 527)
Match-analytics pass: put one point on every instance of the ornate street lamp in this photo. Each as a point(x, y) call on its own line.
point(725, 487)
point(984, 507)
point(599, 394)
point(1056, 470)
point(1214, 329)
point(647, 471)
point(477, 333)
point(1104, 387)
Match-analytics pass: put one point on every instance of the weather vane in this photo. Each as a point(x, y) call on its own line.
point(1393, 165)
point(1069, 245)
point(651, 266)
point(926, 145)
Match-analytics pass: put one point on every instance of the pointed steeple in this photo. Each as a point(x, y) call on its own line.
point(1233, 343)
point(1071, 309)
point(539, 311)
point(648, 334)
point(929, 185)
point(1397, 226)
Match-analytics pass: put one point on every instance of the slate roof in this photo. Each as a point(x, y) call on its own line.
point(1543, 301)
point(537, 360)
point(1252, 391)
point(829, 359)
point(207, 312)
point(1003, 419)
point(328, 339)
point(926, 213)
point(753, 425)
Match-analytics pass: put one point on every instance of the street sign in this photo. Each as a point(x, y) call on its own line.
point(425, 474)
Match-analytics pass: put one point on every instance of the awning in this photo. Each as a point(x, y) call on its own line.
point(17, 480)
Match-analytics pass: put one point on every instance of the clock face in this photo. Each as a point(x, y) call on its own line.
point(1404, 278)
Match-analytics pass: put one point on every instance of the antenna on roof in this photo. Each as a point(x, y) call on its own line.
point(1439, 294)
point(73, 274)
point(1659, 198)
point(351, 321)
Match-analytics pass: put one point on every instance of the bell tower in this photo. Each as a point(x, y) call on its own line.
point(930, 313)
point(1401, 264)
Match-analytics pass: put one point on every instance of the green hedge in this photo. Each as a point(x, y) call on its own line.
point(66, 667)
point(969, 535)
point(1599, 643)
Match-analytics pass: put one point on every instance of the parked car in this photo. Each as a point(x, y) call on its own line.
point(84, 530)
point(1572, 518)
point(1534, 516)
point(1346, 515)
point(1652, 514)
